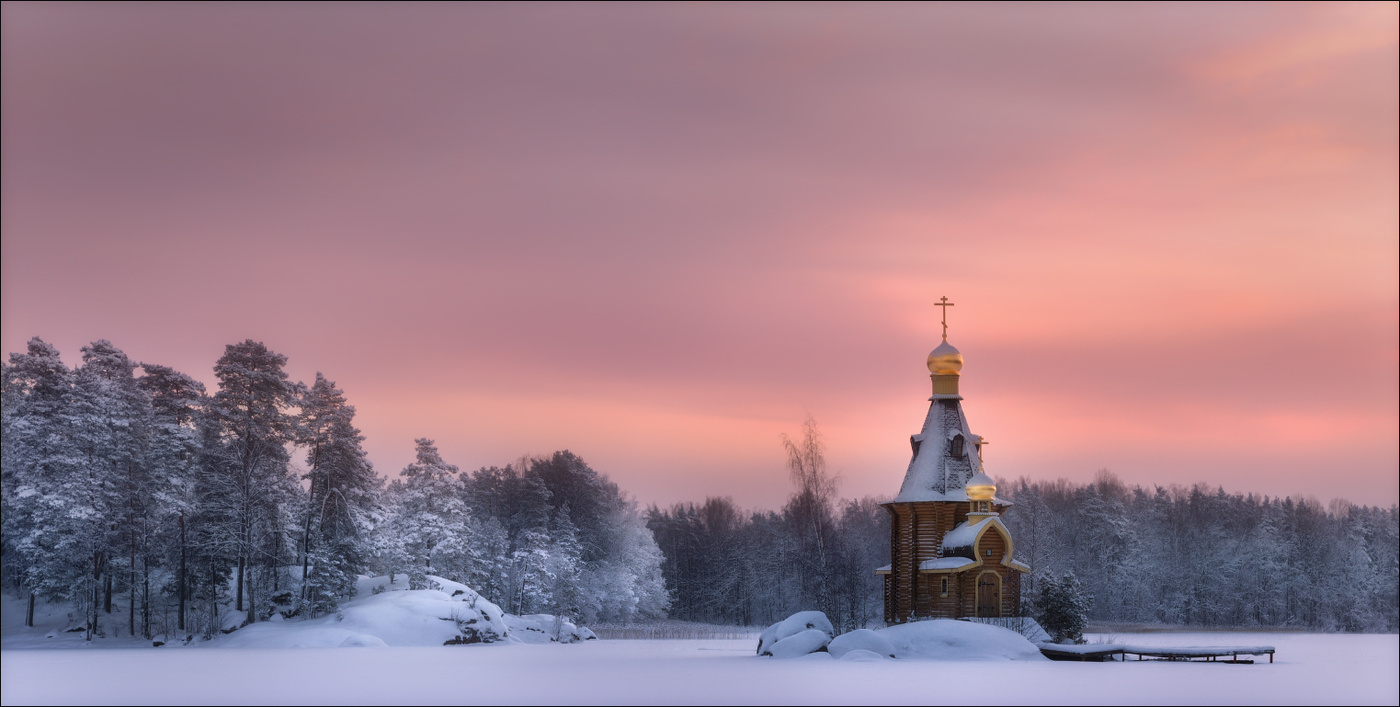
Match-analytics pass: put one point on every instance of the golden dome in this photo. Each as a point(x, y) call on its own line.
point(945, 360)
point(981, 487)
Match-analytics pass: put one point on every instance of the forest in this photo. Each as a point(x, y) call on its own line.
point(152, 506)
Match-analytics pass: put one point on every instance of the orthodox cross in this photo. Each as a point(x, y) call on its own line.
point(945, 304)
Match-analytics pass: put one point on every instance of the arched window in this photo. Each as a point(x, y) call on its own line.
point(959, 446)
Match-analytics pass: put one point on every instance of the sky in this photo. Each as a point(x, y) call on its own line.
point(662, 235)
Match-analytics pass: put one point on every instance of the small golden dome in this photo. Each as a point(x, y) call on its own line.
point(944, 360)
point(981, 487)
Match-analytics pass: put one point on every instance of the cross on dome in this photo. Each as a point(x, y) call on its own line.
point(945, 304)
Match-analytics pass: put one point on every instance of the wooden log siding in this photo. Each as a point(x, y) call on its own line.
point(916, 535)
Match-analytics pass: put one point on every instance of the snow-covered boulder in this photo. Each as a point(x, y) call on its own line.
point(945, 639)
point(767, 639)
point(861, 639)
point(791, 626)
point(478, 620)
point(795, 646)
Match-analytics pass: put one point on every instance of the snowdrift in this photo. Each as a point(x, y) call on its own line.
point(809, 632)
point(946, 639)
point(450, 614)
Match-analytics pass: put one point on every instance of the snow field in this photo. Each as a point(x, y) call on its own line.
point(1310, 669)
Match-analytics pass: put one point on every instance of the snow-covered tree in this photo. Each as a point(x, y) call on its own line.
point(252, 415)
point(429, 518)
point(1061, 608)
point(342, 498)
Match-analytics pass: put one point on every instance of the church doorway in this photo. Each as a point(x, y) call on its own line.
point(989, 594)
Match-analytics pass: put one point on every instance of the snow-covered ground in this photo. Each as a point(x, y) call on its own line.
point(1309, 669)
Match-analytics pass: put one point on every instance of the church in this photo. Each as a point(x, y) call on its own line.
point(952, 557)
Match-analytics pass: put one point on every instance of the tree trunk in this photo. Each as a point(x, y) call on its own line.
point(107, 592)
point(276, 559)
point(238, 591)
point(29, 614)
point(131, 610)
point(181, 590)
point(306, 542)
point(146, 600)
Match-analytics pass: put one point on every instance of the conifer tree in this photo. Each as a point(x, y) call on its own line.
point(341, 497)
point(252, 416)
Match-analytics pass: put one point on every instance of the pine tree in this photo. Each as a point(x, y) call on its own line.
point(341, 499)
point(251, 413)
point(37, 465)
point(171, 457)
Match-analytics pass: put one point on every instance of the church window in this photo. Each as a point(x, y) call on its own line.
point(989, 552)
point(943, 586)
point(958, 446)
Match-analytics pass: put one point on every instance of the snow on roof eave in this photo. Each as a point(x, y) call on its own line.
point(946, 564)
point(884, 570)
point(1013, 564)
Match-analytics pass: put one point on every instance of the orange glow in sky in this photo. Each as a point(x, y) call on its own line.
point(660, 235)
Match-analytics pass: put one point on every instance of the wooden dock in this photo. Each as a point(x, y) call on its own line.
point(1101, 652)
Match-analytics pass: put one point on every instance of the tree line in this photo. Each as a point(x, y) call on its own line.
point(127, 485)
point(1201, 557)
point(1166, 555)
point(725, 565)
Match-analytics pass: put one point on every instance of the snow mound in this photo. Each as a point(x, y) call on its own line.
point(861, 639)
point(804, 621)
point(945, 639)
point(791, 626)
point(805, 643)
point(447, 613)
point(862, 656)
point(360, 640)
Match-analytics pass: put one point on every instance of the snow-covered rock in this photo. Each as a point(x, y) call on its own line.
point(804, 643)
point(800, 622)
point(945, 639)
point(768, 638)
point(861, 639)
point(546, 628)
point(448, 613)
point(478, 620)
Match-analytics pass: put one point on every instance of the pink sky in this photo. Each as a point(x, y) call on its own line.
point(660, 235)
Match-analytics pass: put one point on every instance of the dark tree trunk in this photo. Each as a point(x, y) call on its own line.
point(238, 591)
point(131, 610)
point(276, 561)
point(146, 599)
point(107, 593)
point(181, 588)
point(29, 614)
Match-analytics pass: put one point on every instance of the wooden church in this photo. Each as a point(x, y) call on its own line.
point(952, 555)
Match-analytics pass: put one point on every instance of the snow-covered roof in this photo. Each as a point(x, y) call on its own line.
point(933, 473)
point(946, 563)
point(963, 536)
point(884, 570)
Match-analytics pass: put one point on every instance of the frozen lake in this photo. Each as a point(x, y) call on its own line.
point(1309, 669)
